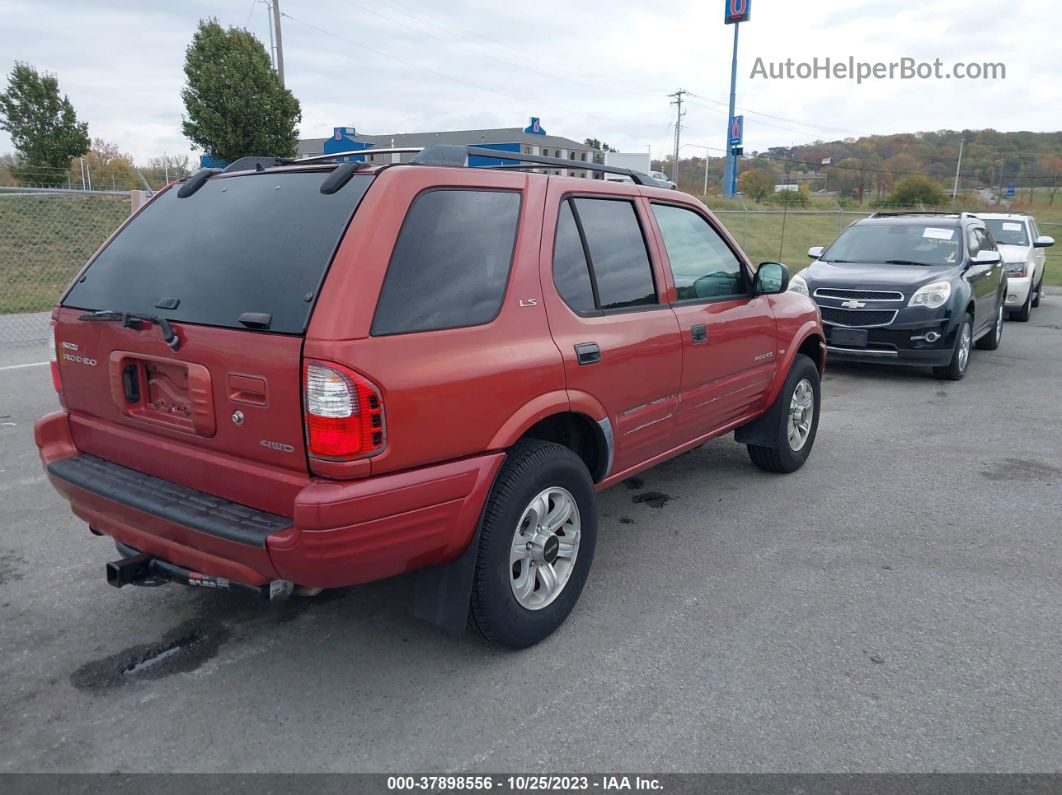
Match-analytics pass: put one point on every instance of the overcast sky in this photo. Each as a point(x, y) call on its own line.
point(593, 68)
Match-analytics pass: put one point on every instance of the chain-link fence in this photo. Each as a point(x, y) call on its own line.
point(45, 237)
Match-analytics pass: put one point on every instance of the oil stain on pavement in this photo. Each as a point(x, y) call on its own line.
point(184, 648)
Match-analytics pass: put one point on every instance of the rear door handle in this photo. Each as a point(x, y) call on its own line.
point(587, 353)
point(699, 333)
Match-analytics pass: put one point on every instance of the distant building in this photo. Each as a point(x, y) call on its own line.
point(531, 140)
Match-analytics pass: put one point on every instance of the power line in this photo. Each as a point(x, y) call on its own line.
point(577, 75)
point(462, 81)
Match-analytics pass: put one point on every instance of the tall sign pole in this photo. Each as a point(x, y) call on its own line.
point(737, 11)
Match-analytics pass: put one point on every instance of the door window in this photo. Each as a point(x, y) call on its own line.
point(614, 254)
point(571, 272)
point(703, 265)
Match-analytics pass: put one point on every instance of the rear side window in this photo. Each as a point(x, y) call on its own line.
point(619, 260)
point(571, 273)
point(451, 262)
point(255, 243)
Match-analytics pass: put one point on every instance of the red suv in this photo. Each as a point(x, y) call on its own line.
point(316, 374)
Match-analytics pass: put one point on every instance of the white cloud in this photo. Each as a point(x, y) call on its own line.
point(594, 68)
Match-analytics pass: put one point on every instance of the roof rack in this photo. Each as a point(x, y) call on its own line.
point(458, 155)
point(394, 150)
point(902, 213)
point(446, 154)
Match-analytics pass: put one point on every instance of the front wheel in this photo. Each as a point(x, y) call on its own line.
point(536, 545)
point(1022, 315)
point(991, 340)
point(955, 370)
point(798, 421)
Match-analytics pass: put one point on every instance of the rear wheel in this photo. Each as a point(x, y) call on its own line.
point(798, 421)
point(960, 357)
point(991, 340)
point(536, 545)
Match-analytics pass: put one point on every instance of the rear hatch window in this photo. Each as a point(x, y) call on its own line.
point(256, 243)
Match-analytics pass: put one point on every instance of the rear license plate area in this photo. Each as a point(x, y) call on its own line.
point(849, 337)
point(165, 392)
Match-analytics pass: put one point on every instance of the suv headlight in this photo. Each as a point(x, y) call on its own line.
point(1015, 268)
point(798, 285)
point(932, 296)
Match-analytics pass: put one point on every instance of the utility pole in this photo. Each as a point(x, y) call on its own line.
point(272, 44)
point(677, 101)
point(280, 43)
point(958, 168)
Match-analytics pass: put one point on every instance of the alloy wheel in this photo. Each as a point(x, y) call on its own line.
point(544, 548)
point(801, 414)
point(964, 347)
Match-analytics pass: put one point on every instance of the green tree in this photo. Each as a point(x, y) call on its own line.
point(235, 103)
point(756, 184)
point(593, 143)
point(916, 190)
point(42, 124)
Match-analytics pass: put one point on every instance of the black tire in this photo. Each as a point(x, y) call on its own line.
point(955, 370)
point(1039, 292)
point(991, 340)
point(1022, 315)
point(494, 613)
point(780, 456)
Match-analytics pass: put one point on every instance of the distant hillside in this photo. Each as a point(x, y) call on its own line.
point(867, 167)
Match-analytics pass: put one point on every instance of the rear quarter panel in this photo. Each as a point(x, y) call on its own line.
point(448, 393)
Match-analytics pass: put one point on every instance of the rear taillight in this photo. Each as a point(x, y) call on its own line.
point(53, 358)
point(344, 413)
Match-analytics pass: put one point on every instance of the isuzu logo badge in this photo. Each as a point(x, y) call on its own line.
point(853, 304)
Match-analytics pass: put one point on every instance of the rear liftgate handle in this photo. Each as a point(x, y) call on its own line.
point(587, 353)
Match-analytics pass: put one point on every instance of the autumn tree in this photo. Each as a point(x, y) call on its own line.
point(756, 184)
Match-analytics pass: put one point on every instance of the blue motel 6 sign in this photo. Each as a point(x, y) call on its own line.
point(737, 11)
point(737, 131)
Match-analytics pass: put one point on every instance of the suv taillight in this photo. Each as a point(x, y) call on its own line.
point(344, 412)
point(53, 359)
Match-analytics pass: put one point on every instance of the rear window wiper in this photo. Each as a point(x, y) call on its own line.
point(134, 321)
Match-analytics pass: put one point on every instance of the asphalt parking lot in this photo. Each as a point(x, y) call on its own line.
point(894, 606)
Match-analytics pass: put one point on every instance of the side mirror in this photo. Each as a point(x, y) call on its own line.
point(771, 278)
point(987, 258)
point(816, 251)
point(1043, 242)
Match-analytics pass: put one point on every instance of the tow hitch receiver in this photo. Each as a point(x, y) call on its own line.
point(136, 568)
point(128, 570)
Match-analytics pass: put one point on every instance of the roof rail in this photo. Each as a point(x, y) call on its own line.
point(256, 163)
point(394, 150)
point(637, 177)
point(901, 213)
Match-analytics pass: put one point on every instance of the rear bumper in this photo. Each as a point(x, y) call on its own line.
point(339, 532)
